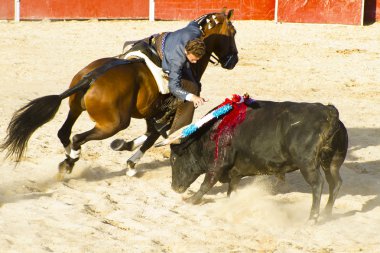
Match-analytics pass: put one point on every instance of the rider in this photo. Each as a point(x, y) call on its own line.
point(179, 49)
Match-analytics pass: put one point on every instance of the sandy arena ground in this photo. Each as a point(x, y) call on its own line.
point(98, 209)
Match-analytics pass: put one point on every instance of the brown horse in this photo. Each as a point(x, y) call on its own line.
point(113, 91)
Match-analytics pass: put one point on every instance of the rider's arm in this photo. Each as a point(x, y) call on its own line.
point(175, 76)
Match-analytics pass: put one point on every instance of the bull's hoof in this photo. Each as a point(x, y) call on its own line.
point(327, 212)
point(193, 200)
point(313, 219)
point(311, 222)
point(120, 145)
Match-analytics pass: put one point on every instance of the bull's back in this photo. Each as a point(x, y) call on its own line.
point(279, 137)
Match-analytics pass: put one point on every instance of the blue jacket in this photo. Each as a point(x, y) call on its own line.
point(174, 57)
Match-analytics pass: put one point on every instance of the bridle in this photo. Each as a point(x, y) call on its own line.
point(210, 20)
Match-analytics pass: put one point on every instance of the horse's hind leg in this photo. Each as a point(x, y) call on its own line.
point(65, 132)
point(97, 133)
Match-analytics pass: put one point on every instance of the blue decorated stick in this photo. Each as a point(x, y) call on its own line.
point(190, 129)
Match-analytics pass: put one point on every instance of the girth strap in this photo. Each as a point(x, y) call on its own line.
point(94, 74)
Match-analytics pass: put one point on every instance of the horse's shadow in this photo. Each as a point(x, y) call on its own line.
point(26, 196)
point(92, 174)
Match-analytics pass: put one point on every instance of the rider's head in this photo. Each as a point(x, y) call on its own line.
point(195, 49)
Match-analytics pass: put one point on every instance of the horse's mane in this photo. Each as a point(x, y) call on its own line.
point(202, 19)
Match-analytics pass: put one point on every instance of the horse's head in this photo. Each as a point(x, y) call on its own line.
point(219, 37)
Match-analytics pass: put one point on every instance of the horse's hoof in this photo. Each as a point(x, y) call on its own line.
point(131, 172)
point(120, 145)
point(65, 167)
point(60, 176)
point(130, 164)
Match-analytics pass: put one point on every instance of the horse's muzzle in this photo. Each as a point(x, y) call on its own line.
point(230, 61)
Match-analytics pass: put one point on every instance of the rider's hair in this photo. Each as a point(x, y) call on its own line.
point(196, 47)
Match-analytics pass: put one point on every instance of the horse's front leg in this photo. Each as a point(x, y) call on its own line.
point(121, 145)
point(152, 136)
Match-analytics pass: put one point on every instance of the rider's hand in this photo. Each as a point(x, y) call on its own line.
point(198, 101)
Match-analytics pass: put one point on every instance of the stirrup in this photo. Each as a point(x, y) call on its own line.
point(161, 128)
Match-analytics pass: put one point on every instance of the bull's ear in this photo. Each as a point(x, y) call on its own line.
point(230, 13)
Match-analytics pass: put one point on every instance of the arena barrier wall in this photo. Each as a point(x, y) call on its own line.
point(320, 11)
point(304, 11)
point(78, 9)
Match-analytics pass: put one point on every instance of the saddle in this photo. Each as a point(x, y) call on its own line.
point(150, 50)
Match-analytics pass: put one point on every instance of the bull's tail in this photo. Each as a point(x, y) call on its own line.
point(332, 154)
point(334, 141)
point(29, 118)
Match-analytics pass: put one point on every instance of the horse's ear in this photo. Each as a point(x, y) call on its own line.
point(223, 11)
point(230, 13)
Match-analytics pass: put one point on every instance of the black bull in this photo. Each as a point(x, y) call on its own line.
point(274, 138)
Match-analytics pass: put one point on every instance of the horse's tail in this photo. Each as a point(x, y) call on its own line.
point(26, 120)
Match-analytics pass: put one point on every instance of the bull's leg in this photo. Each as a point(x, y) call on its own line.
point(234, 180)
point(209, 181)
point(314, 178)
point(232, 186)
point(335, 181)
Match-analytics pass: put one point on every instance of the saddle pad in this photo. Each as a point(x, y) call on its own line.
point(161, 78)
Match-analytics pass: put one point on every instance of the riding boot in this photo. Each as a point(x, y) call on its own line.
point(163, 124)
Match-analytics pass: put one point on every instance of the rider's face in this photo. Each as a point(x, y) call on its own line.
point(192, 58)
